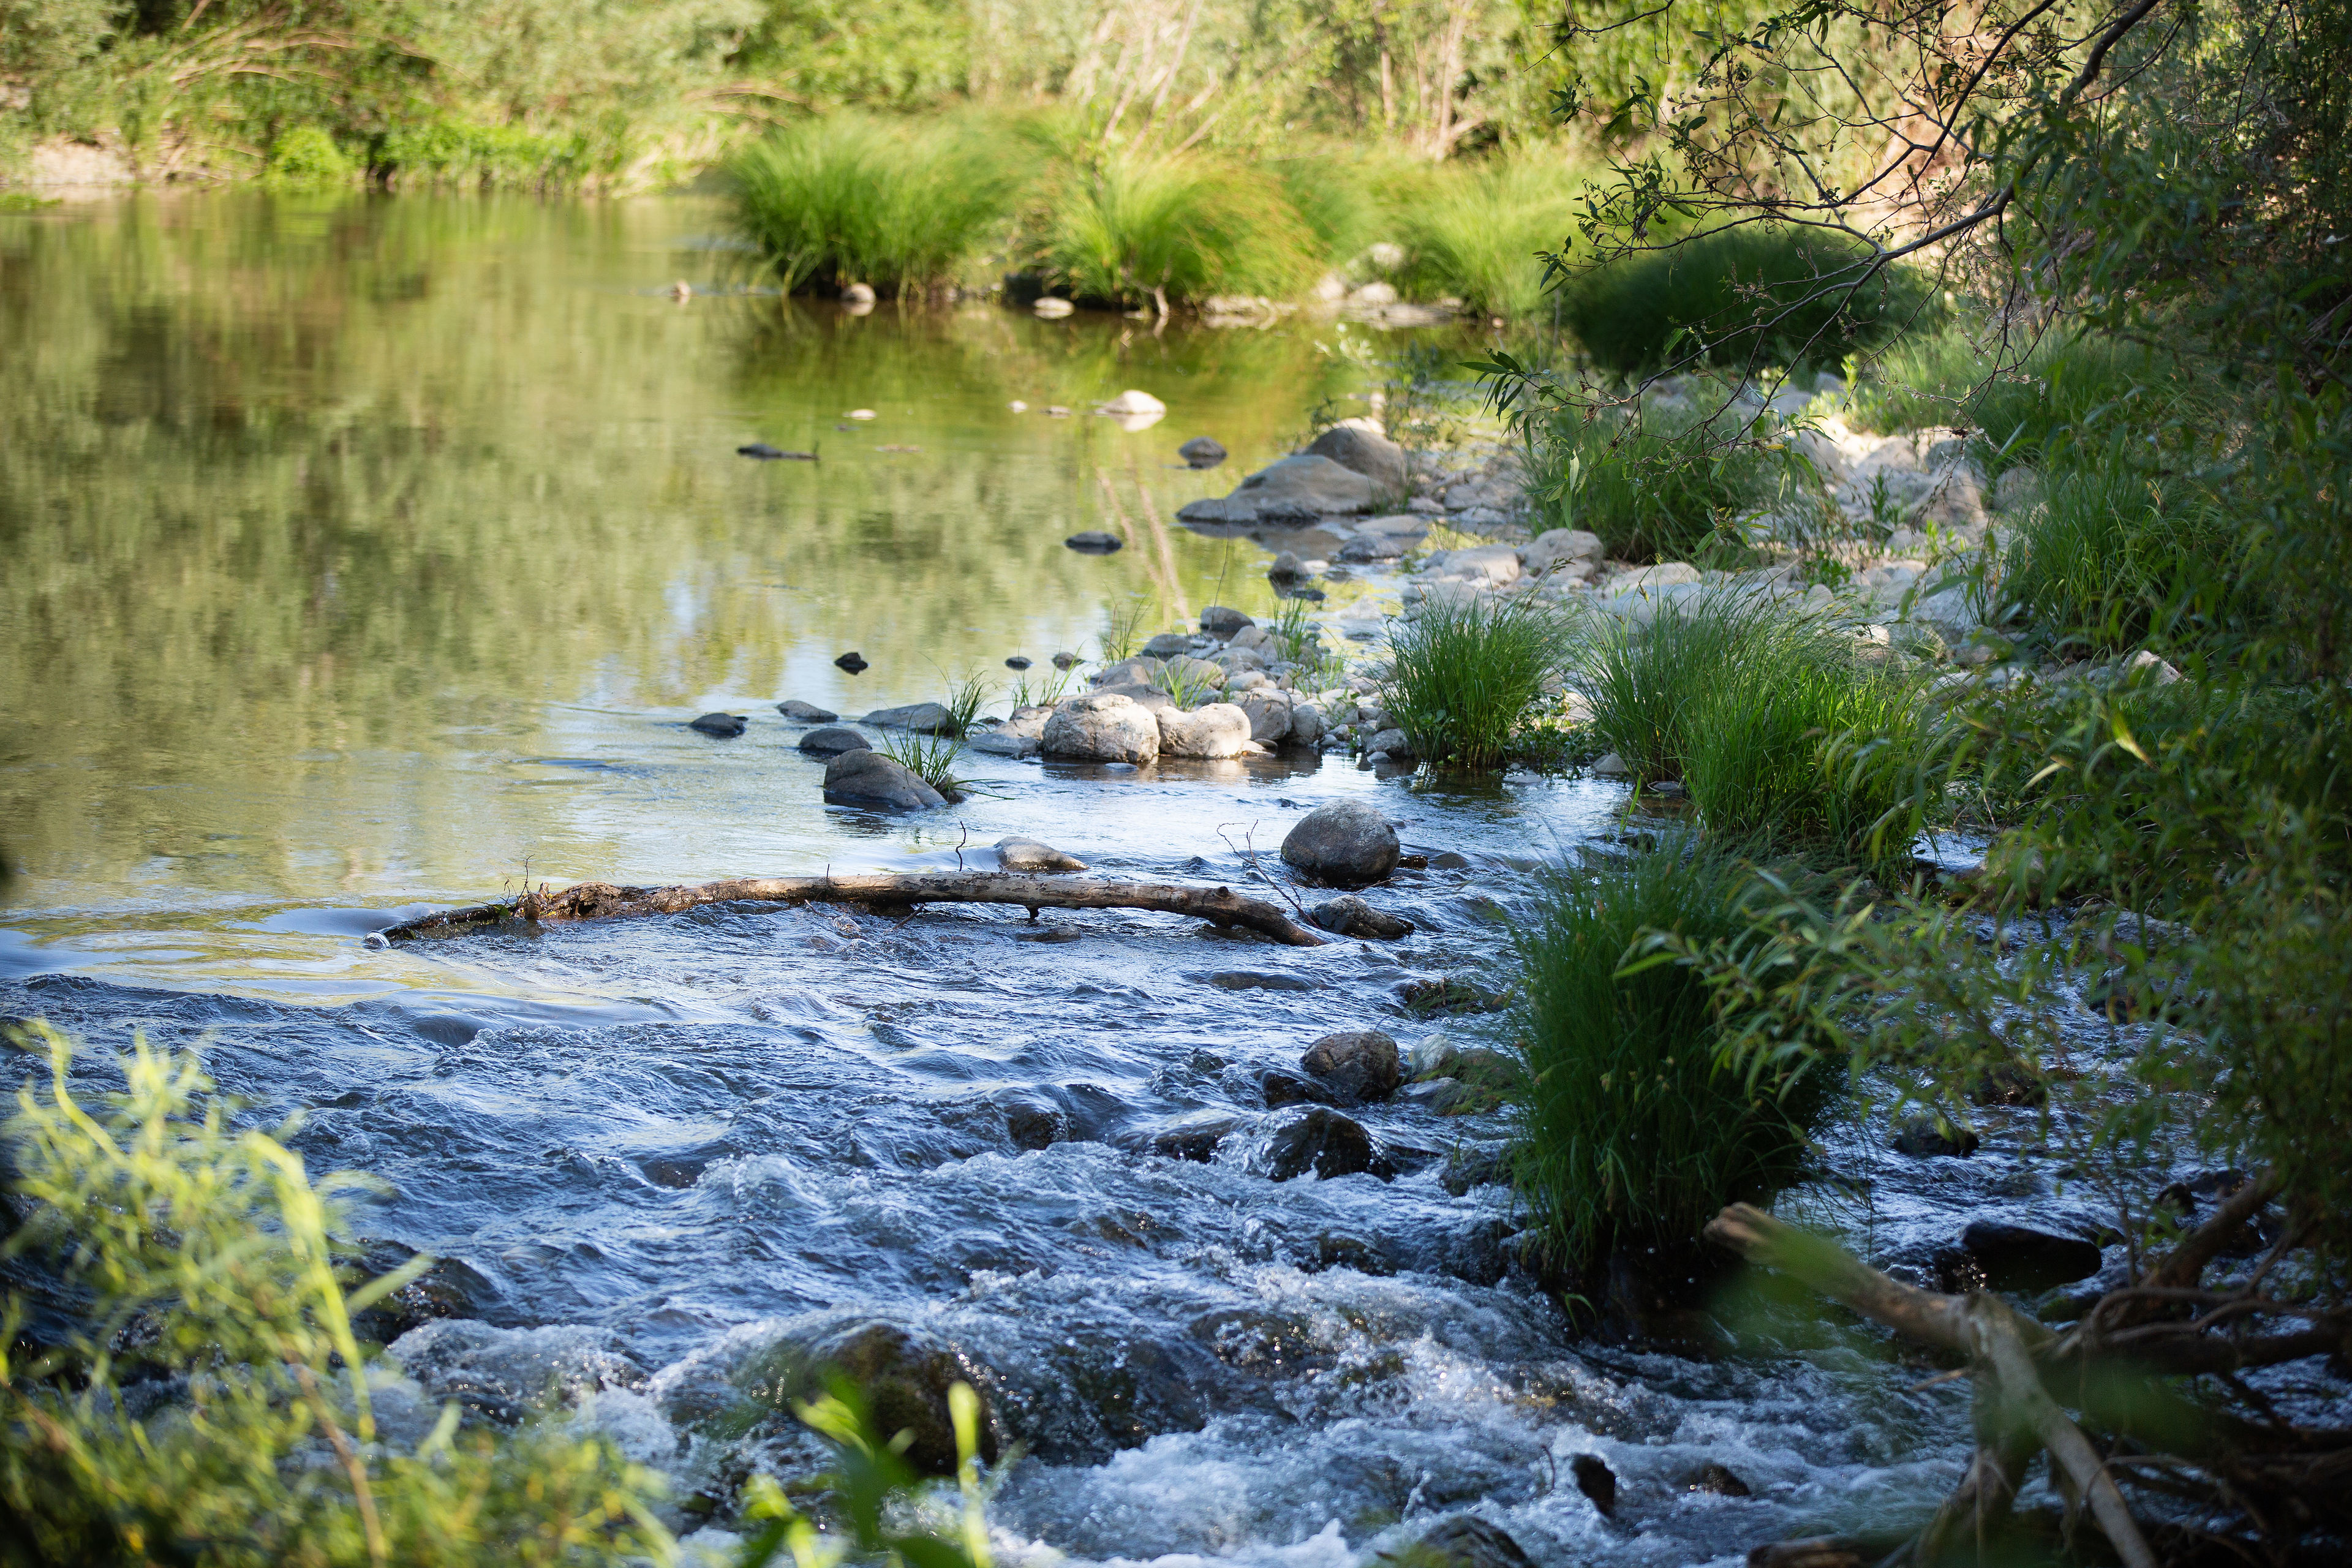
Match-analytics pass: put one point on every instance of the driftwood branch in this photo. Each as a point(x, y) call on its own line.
point(604, 901)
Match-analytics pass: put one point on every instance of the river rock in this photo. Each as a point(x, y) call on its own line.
point(1014, 852)
point(1220, 622)
point(1183, 667)
point(1194, 1138)
point(1094, 542)
point(1214, 729)
point(1926, 1136)
point(904, 1372)
point(833, 739)
point(1102, 727)
point(1006, 741)
point(852, 661)
point(1269, 714)
point(724, 726)
point(1295, 491)
point(1391, 741)
point(1067, 660)
point(923, 718)
point(1133, 402)
point(1361, 445)
point(1136, 671)
point(1347, 843)
point(1019, 661)
point(1467, 1540)
point(1202, 452)
point(1996, 1255)
point(1281, 1087)
point(1362, 1067)
point(1596, 1480)
point(1305, 724)
point(1167, 645)
point(869, 779)
point(1718, 1481)
point(1314, 1138)
point(1351, 916)
point(1142, 696)
point(801, 712)
point(1564, 549)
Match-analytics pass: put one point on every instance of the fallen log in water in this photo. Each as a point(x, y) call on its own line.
point(604, 901)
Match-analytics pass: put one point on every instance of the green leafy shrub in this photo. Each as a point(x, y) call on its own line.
point(202, 1260)
point(1640, 1119)
point(1126, 227)
point(1669, 487)
point(847, 199)
point(307, 155)
point(496, 157)
point(1465, 673)
point(1751, 293)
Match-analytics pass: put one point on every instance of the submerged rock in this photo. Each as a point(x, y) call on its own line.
point(1467, 1540)
point(1202, 452)
point(1715, 1479)
point(1314, 1138)
point(801, 712)
point(1996, 1255)
point(1094, 542)
point(1346, 843)
point(1015, 853)
point(1280, 1087)
point(833, 739)
point(1294, 491)
point(1351, 916)
point(905, 1373)
point(1925, 1136)
point(869, 779)
point(1361, 1065)
point(724, 726)
point(1102, 727)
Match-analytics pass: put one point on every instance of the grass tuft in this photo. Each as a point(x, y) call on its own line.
point(1473, 230)
point(1639, 1121)
point(847, 199)
point(1465, 674)
point(1668, 487)
point(1133, 228)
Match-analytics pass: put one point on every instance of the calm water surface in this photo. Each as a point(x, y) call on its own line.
point(362, 555)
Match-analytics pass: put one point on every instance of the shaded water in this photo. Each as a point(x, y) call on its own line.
point(367, 554)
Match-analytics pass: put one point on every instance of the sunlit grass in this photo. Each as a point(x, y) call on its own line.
point(1465, 674)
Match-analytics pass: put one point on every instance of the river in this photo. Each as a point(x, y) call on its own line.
point(368, 554)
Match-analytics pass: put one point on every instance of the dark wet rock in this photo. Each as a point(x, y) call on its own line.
point(1655, 1296)
point(1596, 1480)
point(923, 718)
point(1467, 1540)
point(1256, 980)
point(1032, 1127)
point(724, 726)
point(1015, 853)
point(801, 712)
point(1206, 1061)
point(1448, 993)
point(1095, 542)
point(1315, 1138)
point(1716, 1479)
point(1194, 1138)
point(1297, 489)
point(1067, 661)
point(1168, 645)
point(2209, 1188)
point(852, 662)
point(1996, 1255)
point(2013, 1083)
point(1467, 1169)
point(869, 779)
point(1362, 1066)
point(833, 739)
point(1347, 844)
point(1448, 860)
point(1351, 916)
point(905, 1373)
point(1018, 662)
point(1102, 727)
point(1280, 1087)
point(1004, 743)
point(1926, 1136)
point(504, 1374)
point(448, 1288)
point(1218, 621)
point(1202, 452)
point(1336, 1249)
point(1286, 567)
point(1356, 444)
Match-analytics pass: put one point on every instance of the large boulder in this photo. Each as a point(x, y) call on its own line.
point(923, 718)
point(1347, 844)
point(1102, 727)
point(1362, 444)
point(905, 1374)
point(1215, 729)
point(869, 779)
point(1361, 1065)
point(1295, 491)
point(1218, 620)
point(1014, 852)
point(1268, 709)
point(1304, 1138)
point(1561, 549)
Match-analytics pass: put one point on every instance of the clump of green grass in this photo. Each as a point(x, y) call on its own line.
point(1645, 682)
point(1640, 1119)
point(847, 199)
point(1186, 686)
point(1123, 626)
point(1465, 673)
point(1042, 689)
point(1740, 294)
point(1135, 228)
point(933, 758)
point(200, 1264)
point(2114, 560)
point(456, 152)
point(1669, 487)
point(1473, 230)
point(2062, 389)
point(1295, 634)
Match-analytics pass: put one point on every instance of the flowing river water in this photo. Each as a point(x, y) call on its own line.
point(363, 555)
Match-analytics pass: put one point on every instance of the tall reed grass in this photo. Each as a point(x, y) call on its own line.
point(2115, 558)
point(2068, 390)
point(1465, 674)
point(1668, 487)
point(1136, 228)
point(845, 199)
point(1473, 230)
point(1745, 293)
point(1641, 1120)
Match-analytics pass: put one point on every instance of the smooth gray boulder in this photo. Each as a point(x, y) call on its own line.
point(1269, 714)
point(1347, 843)
point(1362, 1066)
point(923, 718)
point(1218, 621)
point(869, 779)
point(1362, 444)
point(1168, 645)
point(1014, 852)
point(1202, 452)
point(833, 739)
point(1214, 729)
point(1102, 727)
point(724, 726)
point(1561, 549)
point(801, 712)
point(1294, 491)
